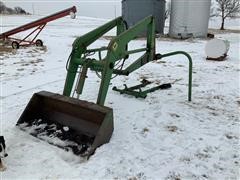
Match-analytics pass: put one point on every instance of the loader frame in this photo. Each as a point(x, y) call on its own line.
point(116, 51)
point(90, 125)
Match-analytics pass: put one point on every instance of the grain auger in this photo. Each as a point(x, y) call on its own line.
point(86, 124)
point(39, 25)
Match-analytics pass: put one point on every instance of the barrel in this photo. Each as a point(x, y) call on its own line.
point(217, 48)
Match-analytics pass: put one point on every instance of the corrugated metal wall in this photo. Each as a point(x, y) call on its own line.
point(189, 18)
point(135, 10)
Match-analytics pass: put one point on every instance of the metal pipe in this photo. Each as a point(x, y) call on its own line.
point(136, 51)
point(160, 56)
point(97, 49)
point(41, 28)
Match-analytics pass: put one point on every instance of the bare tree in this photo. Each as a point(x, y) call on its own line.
point(6, 10)
point(2, 7)
point(227, 8)
point(168, 10)
point(19, 10)
point(213, 12)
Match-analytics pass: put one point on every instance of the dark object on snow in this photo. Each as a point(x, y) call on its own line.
point(221, 58)
point(3, 153)
point(2, 147)
point(138, 92)
point(209, 35)
point(88, 125)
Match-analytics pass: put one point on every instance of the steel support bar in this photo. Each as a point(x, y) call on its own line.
point(23, 40)
point(82, 78)
point(136, 51)
point(134, 66)
point(97, 49)
point(137, 64)
point(142, 94)
point(131, 92)
point(162, 86)
point(40, 28)
point(16, 39)
point(160, 56)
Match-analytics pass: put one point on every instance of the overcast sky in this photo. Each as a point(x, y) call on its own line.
point(94, 8)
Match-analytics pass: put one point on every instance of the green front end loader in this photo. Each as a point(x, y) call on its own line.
point(80, 125)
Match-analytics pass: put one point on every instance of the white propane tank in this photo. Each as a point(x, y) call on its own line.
point(217, 48)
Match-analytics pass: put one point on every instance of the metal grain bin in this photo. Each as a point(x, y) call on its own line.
point(135, 10)
point(189, 18)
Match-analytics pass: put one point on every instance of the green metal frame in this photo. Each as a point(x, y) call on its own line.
point(116, 51)
point(190, 65)
point(137, 90)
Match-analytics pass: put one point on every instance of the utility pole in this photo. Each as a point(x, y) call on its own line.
point(33, 9)
point(115, 11)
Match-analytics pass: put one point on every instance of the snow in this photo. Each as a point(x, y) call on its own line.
point(230, 23)
point(161, 137)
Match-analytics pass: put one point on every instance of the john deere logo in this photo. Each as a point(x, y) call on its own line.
point(115, 45)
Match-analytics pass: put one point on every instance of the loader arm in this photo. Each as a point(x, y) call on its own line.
point(79, 48)
point(117, 51)
point(118, 44)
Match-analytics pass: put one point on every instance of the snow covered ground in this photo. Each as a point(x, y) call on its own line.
point(233, 23)
point(161, 137)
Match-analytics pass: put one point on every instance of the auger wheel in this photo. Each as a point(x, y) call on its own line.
point(15, 45)
point(39, 42)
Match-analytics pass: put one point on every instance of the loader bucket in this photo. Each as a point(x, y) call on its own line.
point(68, 123)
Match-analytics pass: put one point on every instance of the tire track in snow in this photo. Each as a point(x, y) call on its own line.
point(23, 96)
point(26, 90)
point(7, 78)
point(25, 81)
